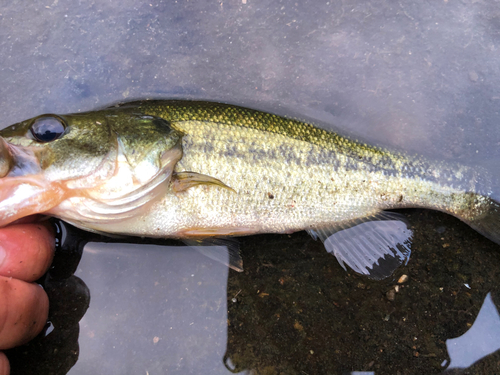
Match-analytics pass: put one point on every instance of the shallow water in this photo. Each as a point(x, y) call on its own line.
point(294, 310)
point(417, 76)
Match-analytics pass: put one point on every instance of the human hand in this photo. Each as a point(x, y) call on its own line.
point(26, 252)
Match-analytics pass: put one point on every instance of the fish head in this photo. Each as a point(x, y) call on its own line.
point(82, 167)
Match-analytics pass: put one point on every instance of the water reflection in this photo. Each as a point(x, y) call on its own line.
point(482, 339)
point(294, 310)
point(297, 311)
point(153, 310)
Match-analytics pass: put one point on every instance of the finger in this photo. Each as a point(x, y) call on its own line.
point(4, 364)
point(24, 308)
point(26, 250)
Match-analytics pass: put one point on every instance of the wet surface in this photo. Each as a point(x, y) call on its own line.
point(417, 76)
point(335, 322)
point(293, 310)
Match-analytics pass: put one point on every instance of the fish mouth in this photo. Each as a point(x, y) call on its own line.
point(23, 190)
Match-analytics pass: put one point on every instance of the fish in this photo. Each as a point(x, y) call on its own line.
point(203, 172)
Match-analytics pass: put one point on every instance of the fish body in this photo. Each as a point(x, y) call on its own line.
point(188, 169)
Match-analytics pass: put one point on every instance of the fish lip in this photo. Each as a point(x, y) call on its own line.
point(6, 158)
point(23, 188)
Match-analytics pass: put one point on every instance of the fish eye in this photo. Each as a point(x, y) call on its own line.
point(47, 128)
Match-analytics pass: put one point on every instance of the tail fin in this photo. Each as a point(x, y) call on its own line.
point(488, 221)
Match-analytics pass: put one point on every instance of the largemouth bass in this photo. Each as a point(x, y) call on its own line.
point(196, 170)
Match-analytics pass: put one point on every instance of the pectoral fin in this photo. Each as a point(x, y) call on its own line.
point(182, 181)
point(374, 246)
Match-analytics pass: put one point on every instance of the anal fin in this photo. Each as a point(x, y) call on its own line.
point(374, 246)
point(223, 250)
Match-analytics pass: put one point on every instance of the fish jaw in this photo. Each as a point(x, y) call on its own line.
point(24, 196)
point(23, 189)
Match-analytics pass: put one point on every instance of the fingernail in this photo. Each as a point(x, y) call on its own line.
point(3, 255)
